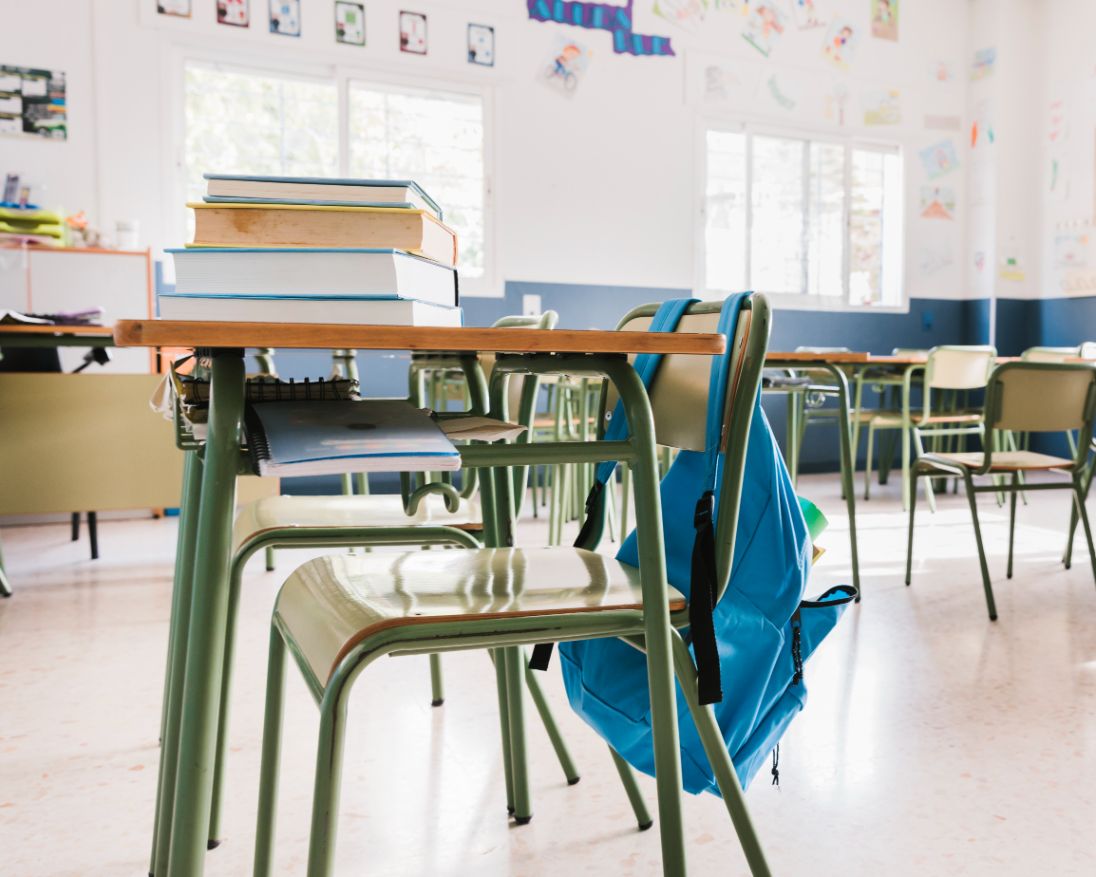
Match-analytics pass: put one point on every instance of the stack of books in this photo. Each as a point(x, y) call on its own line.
point(316, 250)
point(20, 225)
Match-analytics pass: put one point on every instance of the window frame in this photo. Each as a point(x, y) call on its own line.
point(488, 285)
point(764, 128)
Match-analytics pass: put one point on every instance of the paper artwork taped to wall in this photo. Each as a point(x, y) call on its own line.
point(939, 159)
point(780, 95)
point(934, 258)
point(840, 45)
point(178, 8)
point(884, 19)
point(234, 13)
point(764, 26)
point(984, 62)
point(33, 102)
point(285, 17)
point(413, 33)
point(1011, 264)
point(808, 14)
point(982, 132)
point(937, 202)
point(943, 123)
point(688, 14)
point(1056, 130)
point(613, 17)
point(481, 45)
point(834, 104)
point(941, 71)
point(565, 66)
point(1071, 250)
point(883, 107)
point(350, 23)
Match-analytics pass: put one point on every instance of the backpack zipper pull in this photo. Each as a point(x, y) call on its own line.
point(776, 766)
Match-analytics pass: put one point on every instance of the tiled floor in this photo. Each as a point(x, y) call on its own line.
point(934, 742)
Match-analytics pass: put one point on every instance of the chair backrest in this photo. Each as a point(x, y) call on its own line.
point(959, 367)
point(679, 401)
point(1087, 350)
point(1042, 397)
point(1049, 354)
point(547, 320)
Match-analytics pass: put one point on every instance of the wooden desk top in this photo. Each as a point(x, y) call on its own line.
point(832, 358)
point(190, 334)
point(19, 329)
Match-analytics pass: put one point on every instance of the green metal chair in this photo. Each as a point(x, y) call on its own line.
point(948, 370)
point(336, 615)
point(1023, 397)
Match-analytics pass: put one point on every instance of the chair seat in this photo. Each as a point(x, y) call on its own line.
point(376, 510)
point(1003, 461)
point(330, 604)
point(893, 419)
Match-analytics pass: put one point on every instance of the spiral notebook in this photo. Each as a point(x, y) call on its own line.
point(330, 438)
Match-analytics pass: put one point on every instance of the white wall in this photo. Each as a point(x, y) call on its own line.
point(597, 188)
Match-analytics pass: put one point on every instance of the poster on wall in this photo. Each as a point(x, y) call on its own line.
point(717, 80)
point(178, 8)
point(884, 19)
point(285, 17)
point(481, 45)
point(937, 202)
point(234, 13)
point(883, 107)
point(939, 159)
point(982, 133)
point(764, 27)
point(684, 13)
point(616, 18)
point(840, 45)
point(984, 62)
point(350, 23)
point(1071, 249)
point(808, 14)
point(565, 66)
point(413, 33)
point(32, 102)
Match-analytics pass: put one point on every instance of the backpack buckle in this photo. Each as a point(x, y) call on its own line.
point(702, 516)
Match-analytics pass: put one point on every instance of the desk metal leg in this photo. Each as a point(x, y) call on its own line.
point(848, 466)
point(176, 660)
point(208, 614)
point(5, 585)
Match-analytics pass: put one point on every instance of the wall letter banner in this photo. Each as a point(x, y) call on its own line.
point(601, 16)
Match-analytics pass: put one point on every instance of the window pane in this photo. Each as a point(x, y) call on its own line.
point(433, 137)
point(777, 238)
point(875, 228)
point(239, 122)
point(725, 212)
point(826, 234)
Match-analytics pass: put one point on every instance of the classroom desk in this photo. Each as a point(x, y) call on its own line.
point(200, 593)
point(18, 335)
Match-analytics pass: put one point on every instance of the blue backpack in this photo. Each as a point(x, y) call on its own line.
point(761, 631)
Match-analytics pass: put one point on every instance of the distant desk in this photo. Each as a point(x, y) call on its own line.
point(200, 603)
point(56, 336)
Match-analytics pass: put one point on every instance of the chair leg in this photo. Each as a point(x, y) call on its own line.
point(515, 704)
point(437, 686)
point(715, 747)
point(270, 559)
point(1013, 489)
point(504, 722)
point(631, 788)
point(867, 461)
point(913, 509)
point(75, 526)
point(972, 499)
point(549, 721)
point(325, 794)
point(271, 751)
point(1079, 500)
point(625, 499)
point(93, 534)
point(929, 494)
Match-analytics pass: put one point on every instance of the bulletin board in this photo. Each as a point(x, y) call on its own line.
point(32, 102)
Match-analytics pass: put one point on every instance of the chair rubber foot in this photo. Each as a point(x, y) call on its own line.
point(523, 820)
point(437, 702)
point(510, 809)
point(212, 844)
point(643, 826)
point(573, 781)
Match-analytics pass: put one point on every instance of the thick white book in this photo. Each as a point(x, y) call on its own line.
point(349, 310)
point(307, 271)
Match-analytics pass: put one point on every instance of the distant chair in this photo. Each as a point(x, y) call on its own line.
point(1087, 350)
point(1022, 397)
point(1050, 354)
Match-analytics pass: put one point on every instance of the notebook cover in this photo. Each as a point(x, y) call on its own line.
point(331, 181)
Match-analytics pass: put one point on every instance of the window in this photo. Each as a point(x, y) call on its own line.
point(241, 121)
point(435, 137)
point(790, 216)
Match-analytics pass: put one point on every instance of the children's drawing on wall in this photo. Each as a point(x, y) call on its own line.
point(616, 18)
point(684, 13)
point(808, 14)
point(413, 33)
point(883, 107)
point(780, 95)
point(943, 123)
point(350, 23)
point(715, 80)
point(178, 8)
point(235, 13)
point(840, 45)
point(481, 45)
point(1056, 130)
point(835, 103)
point(941, 71)
point(939, 159)
point(937, 202)
point(1071, 249)
point(764, 26)
point(285, 17)
point(983, 63)
point(884, 19)
point(566, 65)
point(982, 132)
point(33, 102)
point(935, 256)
